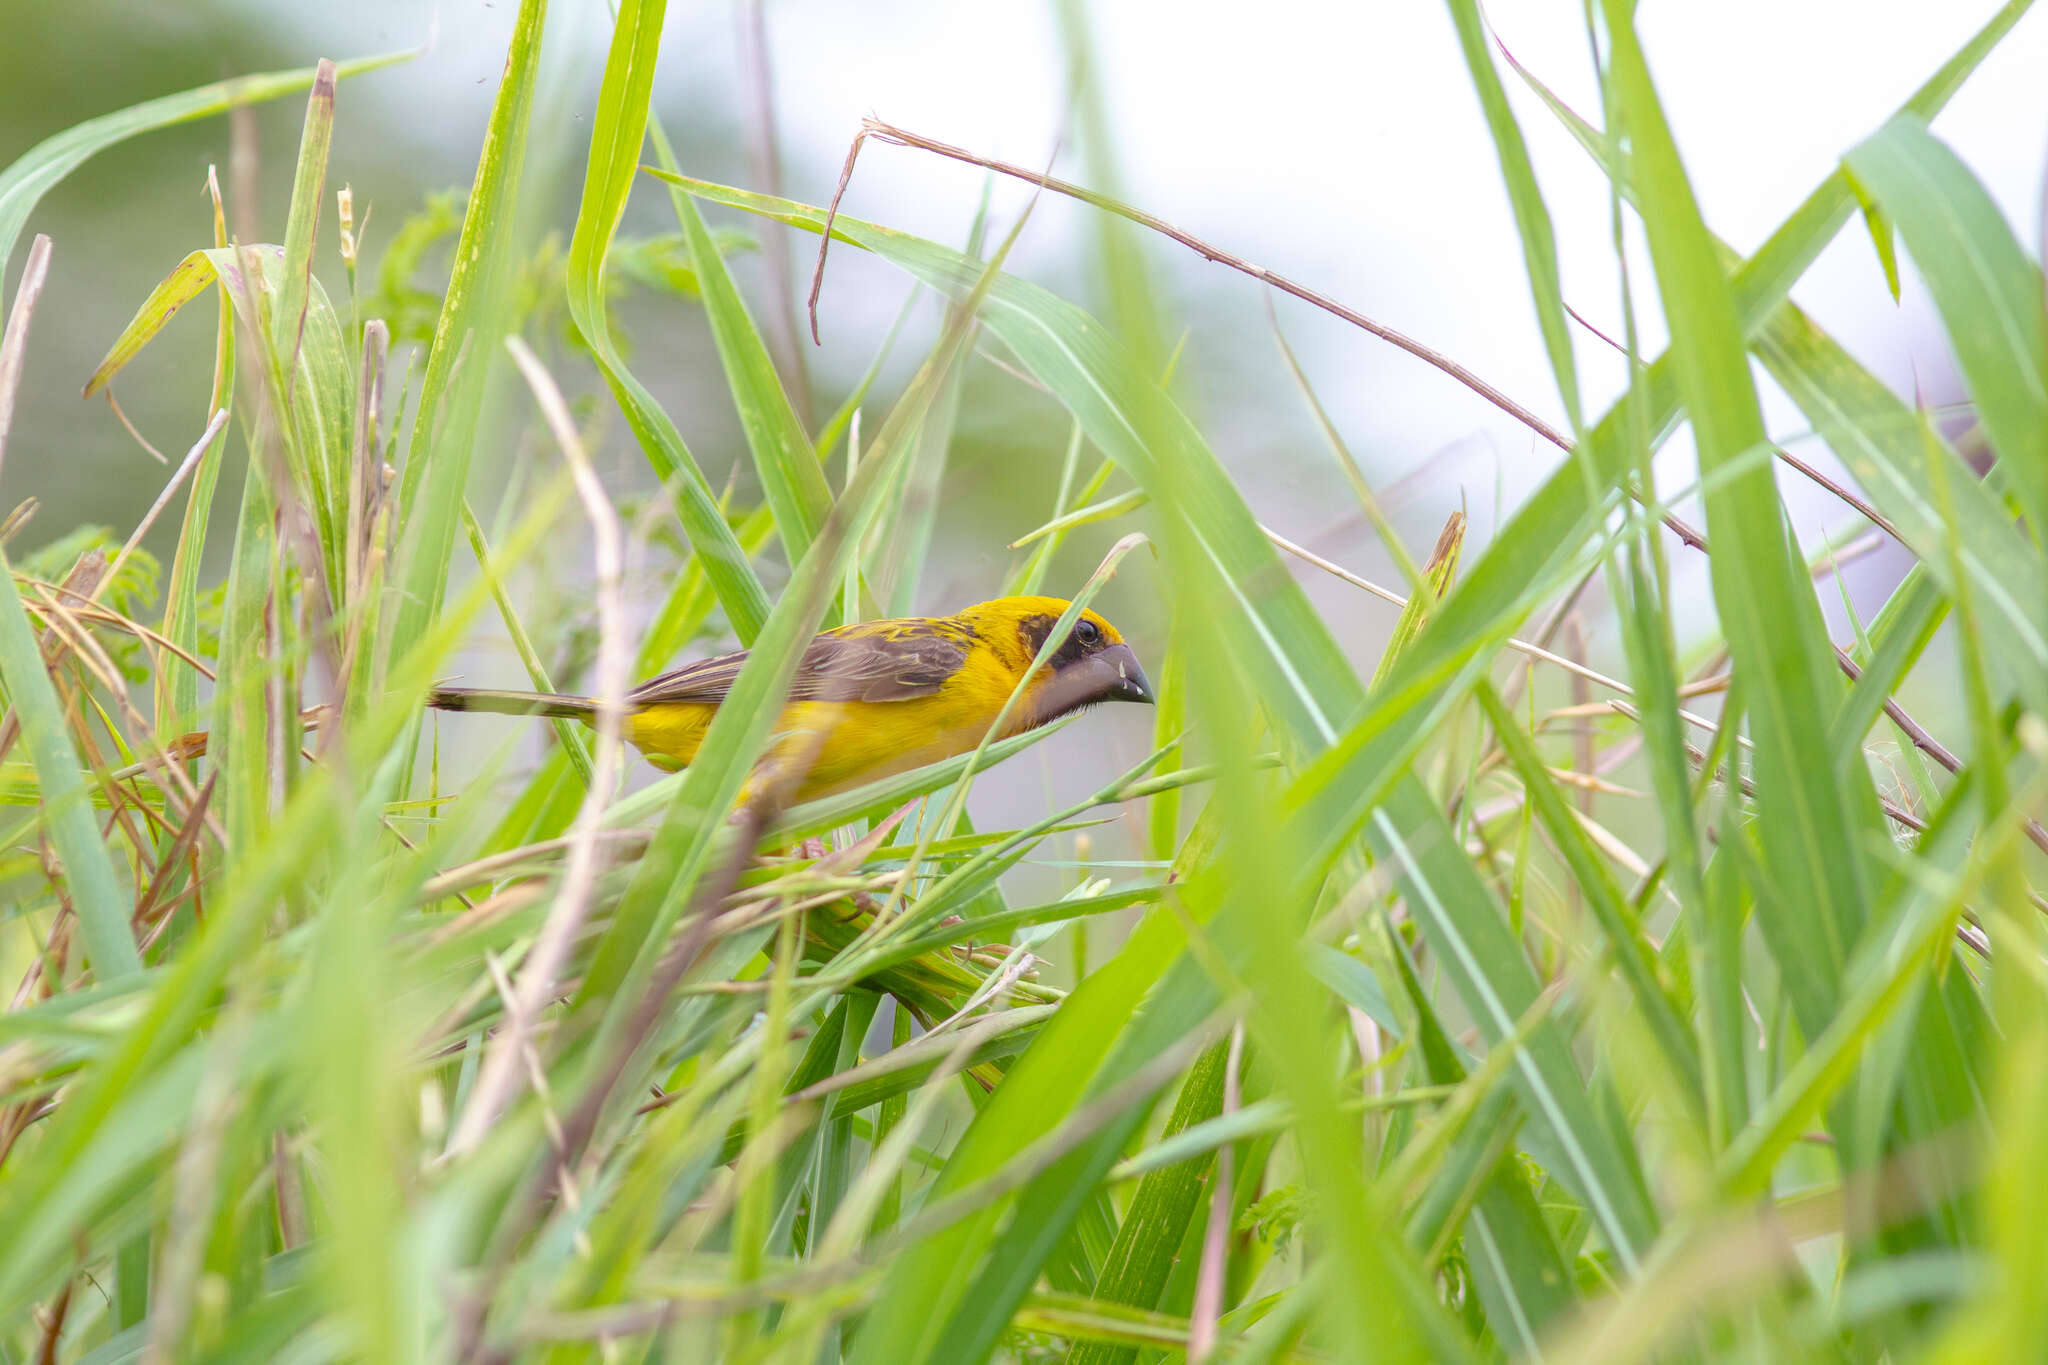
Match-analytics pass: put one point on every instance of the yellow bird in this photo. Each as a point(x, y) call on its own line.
point(877, 698)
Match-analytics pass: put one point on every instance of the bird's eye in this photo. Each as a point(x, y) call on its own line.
point(1088, 633)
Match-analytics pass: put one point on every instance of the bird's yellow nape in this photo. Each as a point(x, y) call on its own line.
point(1015, 611)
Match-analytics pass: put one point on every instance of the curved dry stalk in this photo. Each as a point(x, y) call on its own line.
point(901, 137)
point(163, 499)
point(85, 609)
point(141, 440)
point(499, 1082)
point(494, 865)
point(1534, 651)
point(82, 576)
point(14, 342)
point(1834, 486)
point(64, 631)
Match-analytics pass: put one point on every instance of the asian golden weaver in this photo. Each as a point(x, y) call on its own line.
point(876, 698)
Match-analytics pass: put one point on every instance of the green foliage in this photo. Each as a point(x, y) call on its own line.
point(663, 261)
point(409, 307)
point(412, 271)
point(1275, 1218)
point(1484, 1037)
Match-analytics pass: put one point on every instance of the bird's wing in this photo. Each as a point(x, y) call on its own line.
point(878, 661)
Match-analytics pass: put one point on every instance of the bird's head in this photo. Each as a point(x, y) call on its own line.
point(1092, 664)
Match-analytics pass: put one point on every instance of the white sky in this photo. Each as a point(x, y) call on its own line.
point(1337, 143)
point(1341, 144)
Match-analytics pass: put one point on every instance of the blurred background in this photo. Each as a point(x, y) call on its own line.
point(1337, 144)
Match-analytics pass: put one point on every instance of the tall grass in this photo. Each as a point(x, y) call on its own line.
point(1422, 1037)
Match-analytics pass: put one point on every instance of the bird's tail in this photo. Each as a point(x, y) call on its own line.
point(441, 699)
point(512, 703)
point(194, 745)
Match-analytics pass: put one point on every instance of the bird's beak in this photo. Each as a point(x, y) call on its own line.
point(1107, 675)
point(1122, 678)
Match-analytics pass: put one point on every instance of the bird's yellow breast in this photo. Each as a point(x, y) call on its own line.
point(855, 741)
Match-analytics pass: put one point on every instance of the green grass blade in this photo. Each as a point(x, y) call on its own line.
point(1515, 1261)
point(1532, 217)
point(177, 688)
point(792, 480)
point(1523, 1084)
point(1794, 245)
point(1899, 635)
point(1617, 921)
point(1553, 517)
point(310, 380)
point(1988, 292)
point(688, 605)
point(97, 897)
point(1156, 1223)
point(933, 1278)
point(1878, 438)
point(549, 803)
point(1813, 816)
point(681, 848)
point(1915, 926)
point(618, 128)
point(1472, 937)
point(302, 224)
point(86, 1154)
point(67, 809)
point(574, 745)
point(465, 345)
point(918, 510)
point(238, 737)
point(31, 175)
